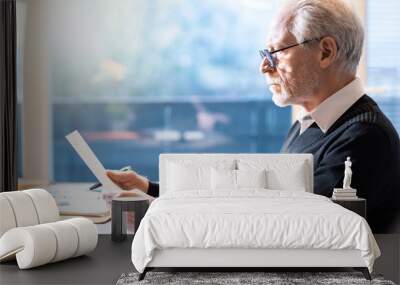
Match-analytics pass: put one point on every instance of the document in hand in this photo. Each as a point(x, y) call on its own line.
point(87, 155)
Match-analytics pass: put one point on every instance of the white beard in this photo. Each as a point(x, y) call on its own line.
point(305, 89)
point(281, 99)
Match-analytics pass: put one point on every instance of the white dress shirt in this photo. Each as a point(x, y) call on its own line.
point(329, 110)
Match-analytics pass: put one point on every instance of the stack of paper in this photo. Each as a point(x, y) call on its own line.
point(344, 194)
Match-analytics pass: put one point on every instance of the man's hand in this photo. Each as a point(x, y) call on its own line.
point(129, 180)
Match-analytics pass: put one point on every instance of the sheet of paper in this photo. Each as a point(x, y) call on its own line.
point(87, 155)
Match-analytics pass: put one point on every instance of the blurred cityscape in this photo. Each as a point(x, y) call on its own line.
point(146, 129)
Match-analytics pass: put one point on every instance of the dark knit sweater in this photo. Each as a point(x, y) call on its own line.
point(365, 134)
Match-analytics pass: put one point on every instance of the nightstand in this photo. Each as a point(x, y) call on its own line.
point(138, 205)
point(358, 206)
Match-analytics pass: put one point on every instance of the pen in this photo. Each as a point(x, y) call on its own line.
point(97, 185)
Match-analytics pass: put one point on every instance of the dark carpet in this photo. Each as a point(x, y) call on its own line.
point(225, 278)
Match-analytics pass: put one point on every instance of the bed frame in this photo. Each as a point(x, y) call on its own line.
point(246, 258)
point(242, 259)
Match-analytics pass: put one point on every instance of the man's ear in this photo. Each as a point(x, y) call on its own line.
point(328, 51)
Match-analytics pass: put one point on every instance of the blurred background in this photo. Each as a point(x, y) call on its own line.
point(141, 77)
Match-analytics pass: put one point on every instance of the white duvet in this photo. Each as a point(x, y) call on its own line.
point(250, 219)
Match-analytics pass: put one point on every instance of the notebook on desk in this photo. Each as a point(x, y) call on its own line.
point(75, 199)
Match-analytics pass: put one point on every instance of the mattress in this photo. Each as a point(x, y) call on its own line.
point(250, 219)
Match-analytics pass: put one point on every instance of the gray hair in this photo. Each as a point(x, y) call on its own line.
point(308, 19)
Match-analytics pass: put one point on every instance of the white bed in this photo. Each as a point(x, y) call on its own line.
point(247, 210)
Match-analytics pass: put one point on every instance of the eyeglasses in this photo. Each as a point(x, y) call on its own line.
point(264, 53)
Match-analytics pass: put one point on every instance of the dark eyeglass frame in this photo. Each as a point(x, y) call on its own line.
point(265, 53)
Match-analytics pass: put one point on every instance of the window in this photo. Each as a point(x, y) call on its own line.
point(383, 58)
point(138, 78)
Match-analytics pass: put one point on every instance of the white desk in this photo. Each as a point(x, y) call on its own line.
point(75, 198)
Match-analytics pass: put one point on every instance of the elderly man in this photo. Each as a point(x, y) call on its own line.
point(311, 59)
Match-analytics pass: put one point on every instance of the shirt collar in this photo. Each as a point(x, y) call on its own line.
point(328, 111)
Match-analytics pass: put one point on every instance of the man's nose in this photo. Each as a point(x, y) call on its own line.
point(265, 67)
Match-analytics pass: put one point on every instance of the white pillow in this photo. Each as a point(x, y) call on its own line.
point(223, 179)
point(181, 177)
point(193, 175)
point(281, 174)
point(292, 179)
point(237, 179)
point(251, 178)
